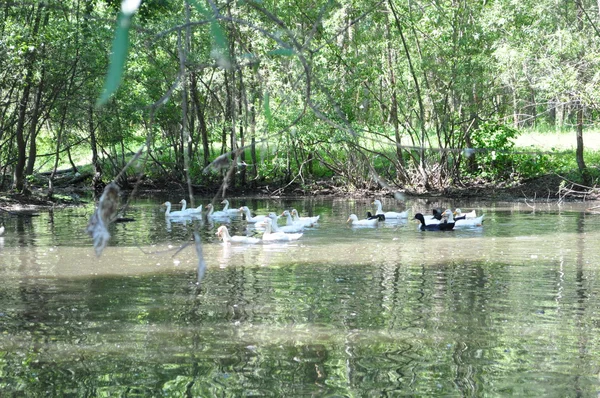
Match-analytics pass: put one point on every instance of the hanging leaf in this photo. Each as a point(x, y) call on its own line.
point(267, 107)
point(220, 46)
point(117, 58)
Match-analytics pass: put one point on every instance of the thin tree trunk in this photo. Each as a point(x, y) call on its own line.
point(253, 145)
point(33, 127)
point(19, 183)
point(419, 96)
point(97, 184)
point(400, 169)
point(57, 156)
point(580, 108)
point(243, 110)
point(579, 150)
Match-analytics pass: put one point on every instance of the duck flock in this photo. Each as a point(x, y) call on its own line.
point(267, 225)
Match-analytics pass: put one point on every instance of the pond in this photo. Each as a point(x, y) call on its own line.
point(509, 308)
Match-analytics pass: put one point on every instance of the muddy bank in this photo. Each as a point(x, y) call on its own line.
point(546, 188)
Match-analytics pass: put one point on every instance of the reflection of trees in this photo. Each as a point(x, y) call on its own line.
point(274, 324)
point(581, 321)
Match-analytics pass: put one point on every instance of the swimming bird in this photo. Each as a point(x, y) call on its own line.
point(191, 211)
point(443, 226)
point(2, 230)
point(306, 220)
point(223, 233)
point(169, 213)
point(246, 211)
point(459, 215)
point(362, 223)
point(228, 211)
point(378, 217)
point(389, 214)
point(269, 235)
point(436, 214)
point(470, 222)
point(286, 228)
point(291, 220)
point(212, 214)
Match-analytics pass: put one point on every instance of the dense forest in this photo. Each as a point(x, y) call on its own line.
point(415, 94)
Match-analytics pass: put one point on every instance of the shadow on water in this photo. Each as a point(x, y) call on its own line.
point(498, 310)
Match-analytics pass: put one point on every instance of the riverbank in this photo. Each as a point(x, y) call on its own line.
point(546, 188)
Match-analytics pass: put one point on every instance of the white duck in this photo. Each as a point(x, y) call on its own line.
point(458, 214)
point(286, 228)
point(249, 218)
point(223, 233)
point(307, 220)
point(269, 235)
point(212, 214)
point(169, 213)
point(362, 223)
point(192, 211)
point(470, 222)
point(228, 211)
point(389, 214)
point(289, 220)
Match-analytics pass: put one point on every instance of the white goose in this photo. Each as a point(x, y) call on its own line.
point(249, 218)
point(307, 220)
point(223, 233)
point(286, 228)
point(269, 235)
point(169, 213)
point(228, 211)
point(389, 214)
point(362, 223)
point(192, 211)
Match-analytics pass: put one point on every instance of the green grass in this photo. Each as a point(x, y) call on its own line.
point(548, 140)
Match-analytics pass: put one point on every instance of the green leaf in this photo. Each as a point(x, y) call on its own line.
point(285, 52)
point(118, 58)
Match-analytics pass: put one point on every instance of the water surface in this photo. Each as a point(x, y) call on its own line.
point(510, 308)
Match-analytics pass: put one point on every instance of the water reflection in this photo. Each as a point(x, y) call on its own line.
point(498, 310)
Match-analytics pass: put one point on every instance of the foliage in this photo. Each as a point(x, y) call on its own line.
point(303, 90)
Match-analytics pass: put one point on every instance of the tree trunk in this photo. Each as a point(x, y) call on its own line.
point(33, 130)
point(242, 110)
point(419, 96)
point(97, 184)
point(201, 123)
point(57, 155)
point(579, 150)
point(30, 58)
point(253, 145)
point(580, 108)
